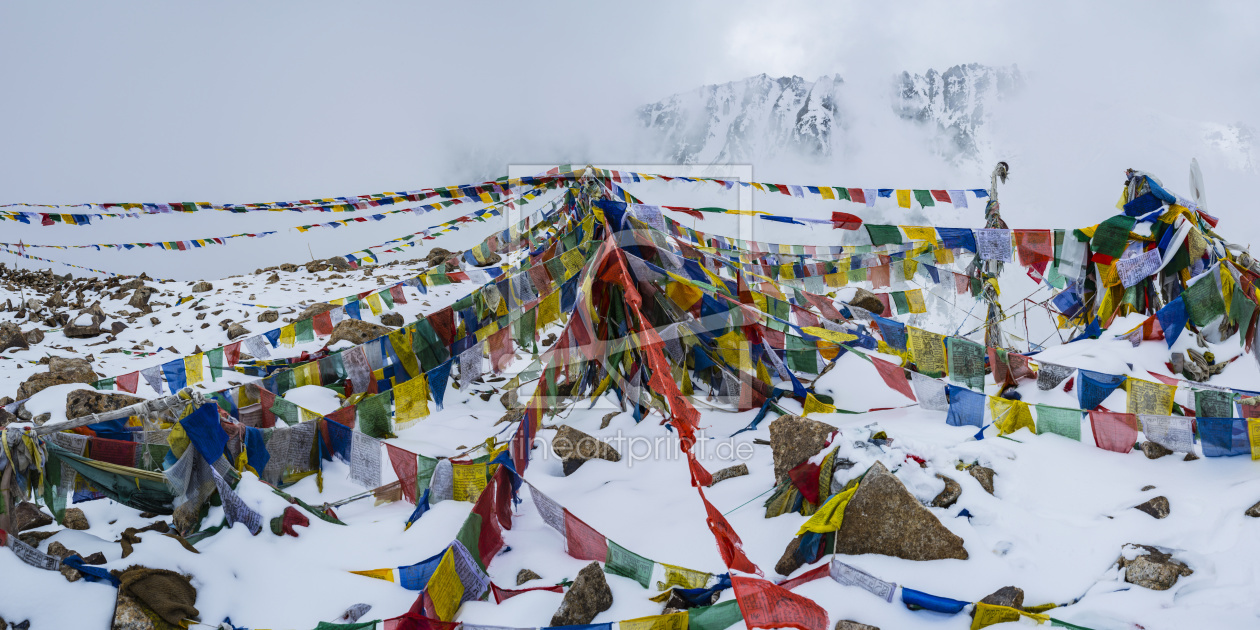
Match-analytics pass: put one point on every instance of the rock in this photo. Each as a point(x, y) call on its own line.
point(1154, 569)
point(202, 287)
point(74, 519)
point(33, 336)
point(6, 417)
point(313, 310)
point(791, 560)
point(984, 476)
point(1190, 457)
point(1009, 596)
point(1154, 451)
point(26, 516)
point(491, 260)
point(130, 615)
point(588, 596)
point(574, 448)
point(85, 402)
point(316, 266)
point(117, 327)
point(154, 321)
point(338, 263)
point(884, 518)
point(236, 330)
point(603, 423)
point(794, 439)
point(288, 267)
point(730, 472)
point(11, 336)
point(1145, 488)
point(268, 316)
point(949, 495)
point(140, 299)
point(853, 625)
point(273, 278)
point(526, 575)
point(867, 300)
point(59, 550)
point(95, 559)
point(60, 372)
point(392, 319)
point(75, 330)
point(437, 255)
point(512, 415)
point(1157, 507)
point(357, 331)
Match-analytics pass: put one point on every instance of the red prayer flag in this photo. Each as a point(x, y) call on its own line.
point(322, 324)
point(582, 541)
point(404, 463)
point(490, 538)
point(894, 376)
point(396, 293)
point(502, 594)
point(1114, 432)
point(845, 221)
point(232, 353)
point(856, 195)
point(880, 279)
point(728, 542)
point(121, 452)
point(766, 605)
point(128, 382)
point(941, 195)
point(808, 576)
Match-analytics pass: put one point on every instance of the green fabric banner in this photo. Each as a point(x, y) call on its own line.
point(373, 415)
point(966, 362)
point(626, 563)
point(884, 234)
point(1059, 420)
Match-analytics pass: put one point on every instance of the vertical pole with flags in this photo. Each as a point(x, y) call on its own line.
point(991, 269)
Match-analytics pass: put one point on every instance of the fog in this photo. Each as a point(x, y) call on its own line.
point(247, 102)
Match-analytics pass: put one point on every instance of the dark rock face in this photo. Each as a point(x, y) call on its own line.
point(884, 518)
point(791, 560)
point(866, 300)
point(75, 330)
point(1153, 569)
point(1157, 507)
point(1009, 596)
point(237, 330)
point(85, 402)
point(357, 331)
point(793, 440)
point(140, 299)
point(575, 448)
point(27, 515)
point(60, 372)
point(11, 336)
point(392, 319)
point(949, 495)
point(588, 597)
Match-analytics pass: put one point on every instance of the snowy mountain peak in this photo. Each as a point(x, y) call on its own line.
point(958, 101)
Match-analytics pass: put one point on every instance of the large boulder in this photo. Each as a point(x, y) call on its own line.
point(60, 372)
point(313, 310)
point(1009, 596)
point(793, 440)
point(392, 319)
point(1157, 507)
point(85, 402)
point(26, 516)
point(86, 324)
point(984, 476)
point(588, 596)
point(202, 287)
point(357, 331)
point(268, 316)
point(867, 300)
point(236, 330)
point(34, 336)
point(491, 260)
point(884, 518)
point(574, 448)
point(11, 336)
point(1152, 568)
point(338, 263)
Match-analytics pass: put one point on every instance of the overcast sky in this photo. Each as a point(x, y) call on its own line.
point(248, 101)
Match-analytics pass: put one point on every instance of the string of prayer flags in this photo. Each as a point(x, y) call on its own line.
point(626, 563)
point(581, 540)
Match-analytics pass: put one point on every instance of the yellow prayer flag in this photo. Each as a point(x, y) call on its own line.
point(919, 233)
point(192, 368)
point(1150, 398)
point(674, 621)
point(813, 405)
point(735, 350)
point(411, 401)
point(1253, 434)
point(830, 516)
point(374, 303)
point(445, 588)
point(830, 335)
point(989, 614)
point(683, 294)
point(487, 330)
point(288, 335)
point(686, 578)
point(826, 192)
point(548, 309)
point(915, 299)
point(1010, 416)
point(928, 350)
point(836, 280)
point(380, 574)
point(470, 480)
point(903, 198)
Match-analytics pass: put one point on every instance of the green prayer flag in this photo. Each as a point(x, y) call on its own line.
point(715, 617)
point(899, 298)
point(104, 384)
point(842, 193)
point(304, 330)
point(884, 234)
point(1112, 236)
point(966, 362)
point(1210, 403)
point(469, 535)
point(216, 363)
point(626, 563)
point(373, 415)
point(924, 198)
point(1060, 420)
point(1240, 311)
point(1203, 300)
point(286, 411)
